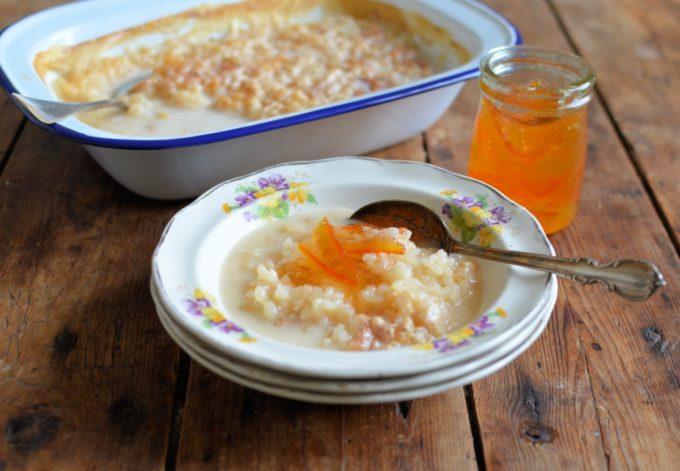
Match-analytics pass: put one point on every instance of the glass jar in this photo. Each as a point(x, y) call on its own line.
point(530, 136)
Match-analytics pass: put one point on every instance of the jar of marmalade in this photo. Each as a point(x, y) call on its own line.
point(530, 136)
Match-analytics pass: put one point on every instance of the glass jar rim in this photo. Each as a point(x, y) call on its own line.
point(576, 91)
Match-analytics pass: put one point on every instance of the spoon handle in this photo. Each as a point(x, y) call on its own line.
point(632, 279)
point(50, 112)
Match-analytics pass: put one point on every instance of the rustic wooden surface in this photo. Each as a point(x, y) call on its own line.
point(90, 380)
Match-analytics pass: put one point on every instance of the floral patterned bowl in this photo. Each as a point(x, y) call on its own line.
point(235, 370)
point(188, 260)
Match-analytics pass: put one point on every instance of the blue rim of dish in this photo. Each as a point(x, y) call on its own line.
point(258, 127)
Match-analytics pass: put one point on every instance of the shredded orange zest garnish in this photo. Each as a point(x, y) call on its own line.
point(353, 228)
point(325, 240)
point(337, 251)
point(328, 269)
point(368, 244)
point(373, 245)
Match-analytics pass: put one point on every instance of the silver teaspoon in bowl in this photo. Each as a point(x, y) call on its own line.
point(50, 112)
point(632, 279)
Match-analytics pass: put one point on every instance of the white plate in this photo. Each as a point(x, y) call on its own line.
point(182, 167)
point(189, 343)
point(482, 370)
point(198, 239)
point(335, 385)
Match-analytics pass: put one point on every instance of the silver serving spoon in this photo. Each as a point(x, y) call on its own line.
point(633, 279)
point(49, 112)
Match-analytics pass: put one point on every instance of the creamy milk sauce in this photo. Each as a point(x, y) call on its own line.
point(166, 121)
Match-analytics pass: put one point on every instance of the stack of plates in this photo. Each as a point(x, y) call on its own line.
point(515, 305)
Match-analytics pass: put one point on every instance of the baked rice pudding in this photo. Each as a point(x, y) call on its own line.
point(316, 280)
point(218, 66)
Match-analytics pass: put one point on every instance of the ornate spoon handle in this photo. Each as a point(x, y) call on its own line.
point(632, 279)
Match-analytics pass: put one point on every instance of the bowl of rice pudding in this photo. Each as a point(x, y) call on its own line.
point(239, 85)
point(269, 269)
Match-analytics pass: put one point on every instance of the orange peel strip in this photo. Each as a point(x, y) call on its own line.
point(319, 263)
point(374, 245)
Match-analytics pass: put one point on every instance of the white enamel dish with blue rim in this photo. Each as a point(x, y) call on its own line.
point(188, 262)
point(185, 166)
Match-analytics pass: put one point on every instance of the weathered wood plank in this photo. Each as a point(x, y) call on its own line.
point(633, 47)
point(87, 374)
point(226, 426)
point(260, 432)
point(429, 433)
point(591, 367)
point(10, 121)
point(528, 411)
point(631, 348)
point(13, 11)
point(230, 427)
point(411, 149)
point(10, 117)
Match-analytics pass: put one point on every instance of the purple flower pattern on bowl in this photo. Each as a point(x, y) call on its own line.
point(201, 304)
point(473, 218)
point(461, 337)
point(269, 197)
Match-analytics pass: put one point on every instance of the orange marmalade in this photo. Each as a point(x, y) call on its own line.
point(530, 136)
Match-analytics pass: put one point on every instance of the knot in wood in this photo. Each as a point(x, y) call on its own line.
point(655, 340)
point(31, 429)
point(537, 433)
point(65, 341)
point(127, 414)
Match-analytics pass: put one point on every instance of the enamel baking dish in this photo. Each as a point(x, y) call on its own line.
point(183, 167)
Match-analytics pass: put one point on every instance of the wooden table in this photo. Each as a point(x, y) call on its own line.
point(89, 379)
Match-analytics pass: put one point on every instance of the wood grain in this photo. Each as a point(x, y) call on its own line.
point(10, 121)
point(227, 426)
point(10, 117)
point(86, 373)
point(88, 376)
point(411, 149)
point(627, 345)
point(13, 11)
point(527, 411)
point(425, 434)
point(633, 48)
